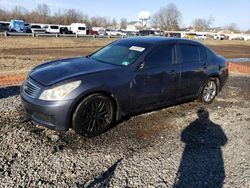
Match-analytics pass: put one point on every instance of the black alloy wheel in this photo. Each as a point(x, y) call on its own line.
point(93, 115)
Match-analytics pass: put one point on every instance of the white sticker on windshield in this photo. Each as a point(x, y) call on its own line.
point(137, 48)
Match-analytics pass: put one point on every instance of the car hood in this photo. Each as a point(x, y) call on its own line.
point(56, 71)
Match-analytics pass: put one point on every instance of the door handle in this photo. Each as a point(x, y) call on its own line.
point(172, 72)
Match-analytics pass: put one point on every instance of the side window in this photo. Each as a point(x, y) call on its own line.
point(203, 53)
point(189, 53)
point(210, 53)
point(161, 56)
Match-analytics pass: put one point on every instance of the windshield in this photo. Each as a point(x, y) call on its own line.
point(18, 25)
point(35, 26)
point(81, 28)
point(118, 54)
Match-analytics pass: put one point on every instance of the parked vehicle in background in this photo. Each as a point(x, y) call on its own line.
point(219, 36)
point(175, 35)
point(78, 28)
point(90, 31)
point(111, 32)
point(149, 73)
point(190, 35)
point(132, 33)
point(17, 26)
point(64, 30)
point(246, 37)
point(146, 32)
point(159, 33)
point(35, 29)
point(4, 26)
point(121, 33)
point(52, 29)
point(99, 30)
point(236, 37)
point(27, 28)
point(201, 36)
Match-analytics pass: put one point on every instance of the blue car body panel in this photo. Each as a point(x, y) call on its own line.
point(134, 89)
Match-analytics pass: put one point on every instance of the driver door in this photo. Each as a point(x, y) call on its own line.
point(158, 80)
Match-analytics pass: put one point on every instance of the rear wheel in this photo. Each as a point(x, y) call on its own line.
point(209, 91)
point(93, 115)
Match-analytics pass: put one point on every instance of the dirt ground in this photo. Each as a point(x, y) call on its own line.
point(172, 147)
point(19, 55)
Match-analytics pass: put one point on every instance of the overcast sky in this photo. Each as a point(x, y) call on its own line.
point(223, 11)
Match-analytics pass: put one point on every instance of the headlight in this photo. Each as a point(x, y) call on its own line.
point(58, 93)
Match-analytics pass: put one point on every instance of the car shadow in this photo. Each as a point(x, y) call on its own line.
point(9, 91)
point(202, 162)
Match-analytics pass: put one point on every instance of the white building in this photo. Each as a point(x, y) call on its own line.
point(134, 26)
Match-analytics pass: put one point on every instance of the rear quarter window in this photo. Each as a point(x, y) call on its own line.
point(189, 53)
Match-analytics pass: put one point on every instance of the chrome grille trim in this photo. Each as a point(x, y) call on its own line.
point(30, 89)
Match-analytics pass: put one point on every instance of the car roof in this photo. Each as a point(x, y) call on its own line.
point(159, 40)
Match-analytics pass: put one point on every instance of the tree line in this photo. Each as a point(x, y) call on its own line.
point(42, 14)
point(168, 18)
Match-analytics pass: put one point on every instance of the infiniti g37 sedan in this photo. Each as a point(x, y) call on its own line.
point(129, 76)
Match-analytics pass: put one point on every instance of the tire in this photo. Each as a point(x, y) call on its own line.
point(93, 116)
point(208, 91)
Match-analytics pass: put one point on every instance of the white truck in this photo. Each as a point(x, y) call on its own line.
point(78, 28)
point(52, 28)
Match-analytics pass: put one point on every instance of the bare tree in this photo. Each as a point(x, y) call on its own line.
point(99, 21)
point(114, 23)
point(4, 15)
point(154, 21)
point(19, 12)
point(202, 24)
point(85, 19)
point(232, 27)
point(123, 23)
point(168, 18)
point(72, 16)
point(247, 31)
point(43, 13)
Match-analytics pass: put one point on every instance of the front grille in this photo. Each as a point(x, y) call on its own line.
point(30, 89)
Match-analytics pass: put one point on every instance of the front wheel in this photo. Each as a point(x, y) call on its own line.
point(209, 91)
point(93, 115)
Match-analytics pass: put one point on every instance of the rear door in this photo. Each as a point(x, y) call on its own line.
point(158, 81)
point(193, 68)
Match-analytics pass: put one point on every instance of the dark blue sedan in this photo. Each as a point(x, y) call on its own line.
point(126, 77)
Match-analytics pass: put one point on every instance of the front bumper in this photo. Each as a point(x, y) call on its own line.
point(54, 115)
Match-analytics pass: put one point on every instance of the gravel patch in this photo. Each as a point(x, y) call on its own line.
point(190, 145)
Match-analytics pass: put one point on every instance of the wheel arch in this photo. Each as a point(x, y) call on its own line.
point(108, 94)
point(213, 76)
